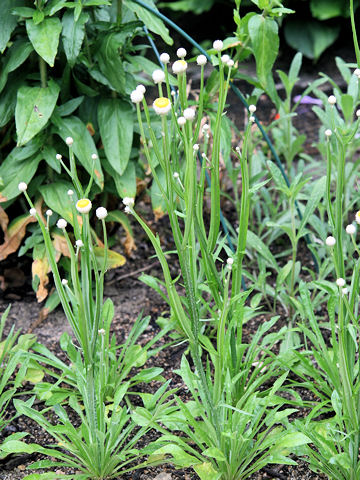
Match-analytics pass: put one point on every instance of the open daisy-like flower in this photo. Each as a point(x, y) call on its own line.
point(83, 205)
point(162, 106)
point(357, 217)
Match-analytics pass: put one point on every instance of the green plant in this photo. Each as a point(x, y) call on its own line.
point(78, 64)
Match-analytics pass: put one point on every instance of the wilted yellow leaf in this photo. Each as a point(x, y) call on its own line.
point(14, 234)
point(40, 268)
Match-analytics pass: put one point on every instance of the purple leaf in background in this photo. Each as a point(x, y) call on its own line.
point(307, 100)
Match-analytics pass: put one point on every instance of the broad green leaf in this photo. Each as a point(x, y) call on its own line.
point(214, 452)
point(34, 107)
point(116, 123)
point(206, 471)
point(126, 183)
point(110, 62)
point(45, 37)
point(19, 165)
point(8, 21)
point(15, 56)
point(180, 457)
point(311, 37)
point(34, 375)
point(264, 36)
point(73, 33)
point(325, 9)
point(291, 440)
point(114, 259)
point(49, 155)
point(83, 146)
point(342, 459)
point(69, 107)
point(8, 101)
point(278, 177)
point(56, 198)
point(153, 23)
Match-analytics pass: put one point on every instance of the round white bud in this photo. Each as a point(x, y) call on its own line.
point(136, 96)
point(357, 72)
point(165, 58)
point(176, 175)
point(225, 58)
point(330, 241)
point(101, 213)
point(58, 156)
point(70, 192)
point(345, 291)
point(128, 201)
point(218, 45)
point(181, 121)
point(252, 118)
point(230, 261)
point(49, 212)
point(61, 223)
point(69, 141)
point(357, 113)
point(201, 60)
point(94, 156)
point(252, 108)
point(230, 63)
point(79, 243)
point(196, 147)
point(351, 229)
point(32, 212)
point(141, 88)
point(181, 53)
point(328, 132)
point(189, 114)
point(332, 99)
point(22, 187)
point(158, 76)
point(127, 209)
point(340, 282)
point(101, 331)
point(179, 66)
point(64, 281)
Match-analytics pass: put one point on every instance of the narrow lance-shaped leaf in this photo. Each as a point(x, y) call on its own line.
point(73, 33)
point(34, 107)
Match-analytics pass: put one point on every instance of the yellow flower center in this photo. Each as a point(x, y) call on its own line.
point(162, 102)
point(83, 203)
point(182, 62)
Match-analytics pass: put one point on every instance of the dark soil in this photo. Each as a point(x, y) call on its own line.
point(132, 298)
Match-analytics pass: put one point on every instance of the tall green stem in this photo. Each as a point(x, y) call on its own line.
point(43, 73)
point(353, 28)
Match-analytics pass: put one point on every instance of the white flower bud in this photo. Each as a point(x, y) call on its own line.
point(332, 100)
point(141, 88)
point(357, 72)
point(79, 243)
point(49, 212)
point(136, 96)
point(225, 58)
point(22, 187)
point(345, 291)
point(165, 58)
point(181, 121)
point(351, 229)
point(101, 331)
point(230, 261)
point(189, 114)
point(357, 113)
point(218, 45)
point(94, 156)
point(330, 241)
point(64, 281)
point(176, 175)
point(127, 209)
point(32, 212)
point(58, 156)
point(70, 192)
point(101, 213)
point(230, 63)
point(340, 282)
point(252, 108)
point(128, 201)
point(179, 66)
point(205, 128)
point(201, 60)
point(328, 132)
point(181, 52)
point(69, 141)
point(158, 76)
point(61, 223)
point(252, 118)
point(196, 147)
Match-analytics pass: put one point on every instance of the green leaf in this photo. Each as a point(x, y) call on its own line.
point(253, 241)
point(311, 38)
point(45, 37)
point(110, 62)
point(83, 145)
point(214, 452)
point(34, 107)
point(126, 183)
point(73, 35)
point(325, 9)
point(318, 191)
point(56, 198)
point(153, 23)
point(206, 471)
point(116, 122)
point(8, 101)
point(16, 56)
point(347, 106)
point(264, 36)
point(291, 440)
point(8, 21)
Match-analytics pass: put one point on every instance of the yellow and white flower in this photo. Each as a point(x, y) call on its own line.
point(179, 66)
point(162, 106)
point(357, 217)
point(83, 205)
